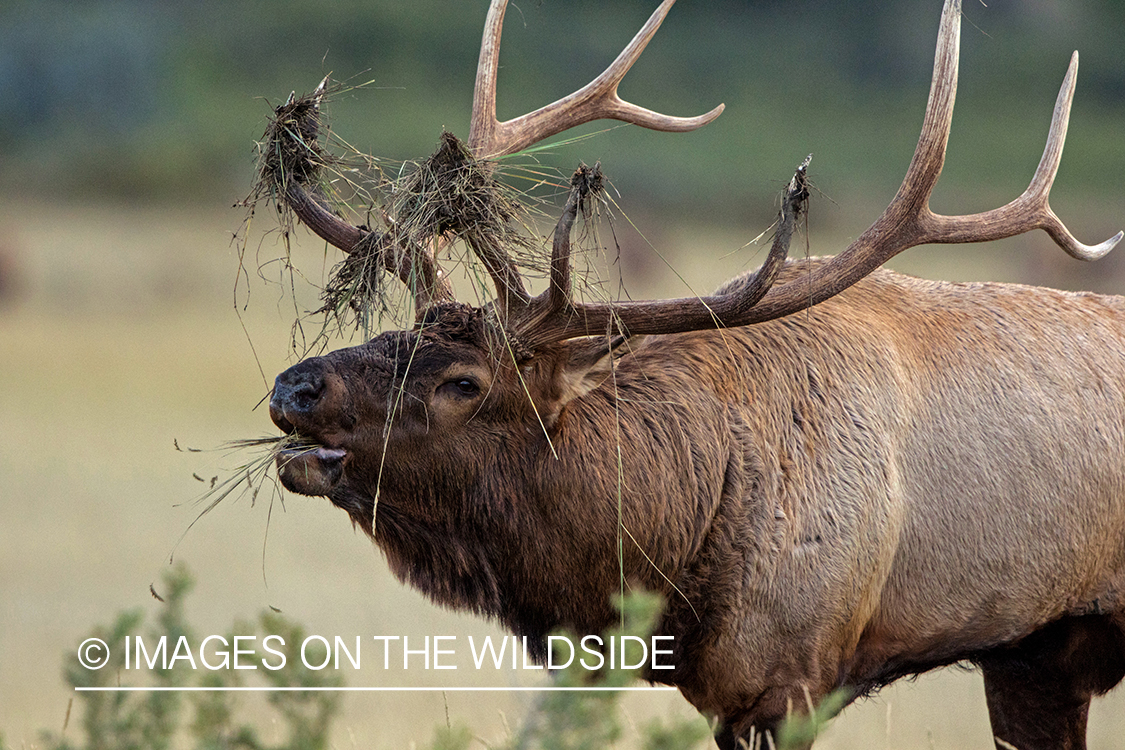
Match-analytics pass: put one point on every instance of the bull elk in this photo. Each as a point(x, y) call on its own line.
point(908, 474)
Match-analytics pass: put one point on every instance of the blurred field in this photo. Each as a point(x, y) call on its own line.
point(120, 335)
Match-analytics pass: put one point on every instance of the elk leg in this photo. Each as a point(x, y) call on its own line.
point(1031, 716)
point(1039, 689)
point(754, 736)
point(726, 739)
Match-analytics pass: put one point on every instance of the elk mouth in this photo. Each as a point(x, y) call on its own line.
point(311, 470)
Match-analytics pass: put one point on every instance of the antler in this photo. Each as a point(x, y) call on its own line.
point(490, 138)
point(296, 128)
point(906, 222)
point(553, 316)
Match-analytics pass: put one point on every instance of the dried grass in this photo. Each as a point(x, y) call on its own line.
point(256, 471)
point(434, 205)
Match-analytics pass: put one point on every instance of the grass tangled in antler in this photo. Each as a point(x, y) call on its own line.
point(292, 150)
point(356, 293)
point(435, 204)
point(451, 193)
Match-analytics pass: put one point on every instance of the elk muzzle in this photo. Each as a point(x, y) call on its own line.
point(297, 395)
point(306, 403)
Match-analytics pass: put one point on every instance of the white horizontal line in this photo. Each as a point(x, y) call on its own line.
point(219, 689)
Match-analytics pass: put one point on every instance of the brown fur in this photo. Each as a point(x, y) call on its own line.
point(911, 474)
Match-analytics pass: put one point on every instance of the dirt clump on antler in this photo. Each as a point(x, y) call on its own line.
point(294, 139)
point(447, 207)
point(451, 192)
point(290, 150)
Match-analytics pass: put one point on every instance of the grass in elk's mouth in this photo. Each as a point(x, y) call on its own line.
point(257, 469)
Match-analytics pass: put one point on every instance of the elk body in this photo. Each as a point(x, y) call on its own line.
point(904, 475)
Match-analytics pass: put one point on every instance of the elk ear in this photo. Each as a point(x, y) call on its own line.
point(584, 365)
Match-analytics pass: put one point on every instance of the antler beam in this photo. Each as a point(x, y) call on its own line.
point(598, 100)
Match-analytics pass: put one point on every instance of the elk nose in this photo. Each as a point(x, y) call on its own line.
point(296, 393)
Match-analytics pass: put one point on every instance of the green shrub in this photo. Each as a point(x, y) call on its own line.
point(154, 720)
point(158, 719)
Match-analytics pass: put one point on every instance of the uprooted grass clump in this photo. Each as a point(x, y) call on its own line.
point(200, 704)
point(441, 205)
point(448, 206)
point(293, 149)
point(356, 293)
point(451, 192)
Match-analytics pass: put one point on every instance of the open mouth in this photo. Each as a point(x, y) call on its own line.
point(311, 470)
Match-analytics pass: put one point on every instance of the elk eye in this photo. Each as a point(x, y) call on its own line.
point(462, 388)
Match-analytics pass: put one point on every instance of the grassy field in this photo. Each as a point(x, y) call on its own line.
point(121, 337)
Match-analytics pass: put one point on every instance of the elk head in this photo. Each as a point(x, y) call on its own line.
point(431, 409)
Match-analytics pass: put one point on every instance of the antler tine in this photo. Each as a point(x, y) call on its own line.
point(553, 316)
point(541, 320)
point(908, 220)
point(585, 181)
point(411, 264)
point(510, 291)
point(483, 127)
point(489, 138)
point(323, 223)
point(1032, 209)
